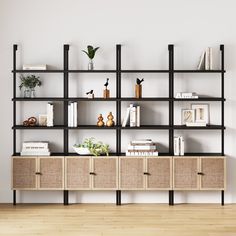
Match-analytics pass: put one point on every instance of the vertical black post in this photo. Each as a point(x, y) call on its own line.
point(222, 197)
point(14, 110)
point(170, 197)
point(223, 97)
point(66, 95)
point(118, 110)
point(171, 96)
point(14, 197)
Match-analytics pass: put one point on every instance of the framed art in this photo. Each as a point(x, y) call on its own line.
point(188, 116)
point(201, 113)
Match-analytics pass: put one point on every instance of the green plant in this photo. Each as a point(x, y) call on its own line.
point(91, 51)
point(30, 81)
point(95, 148)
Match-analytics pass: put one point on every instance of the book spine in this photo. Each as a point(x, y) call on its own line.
point(176, 146)
point(181, 146)
point(138, 116)
point(210, 59)
point(72, 115)
point(207, 64)
point(49, 114)
point(69, 114)
point(126, 118)
point(39, 145)
point(141, 147)
point(75, 114)
point(133, 117)
point(201, 62)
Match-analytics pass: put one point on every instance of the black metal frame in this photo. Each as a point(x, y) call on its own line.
point(118, 99)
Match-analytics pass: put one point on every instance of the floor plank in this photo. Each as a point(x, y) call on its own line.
point(112, 220)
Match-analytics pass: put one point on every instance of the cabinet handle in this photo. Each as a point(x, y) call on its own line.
point(200, 173)
point(146, 173)
point(38, 173)
point(92, 173)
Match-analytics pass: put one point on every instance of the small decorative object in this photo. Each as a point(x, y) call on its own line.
point(29, 83)
point(91, 51)
point(89, 146)
point(201, 113)
point(32, 121)
point(138, 88)
point(106, 92)
point(100, 122)
point(110, 121)
point(90, 94)
point(43, 120)
point(188, 116)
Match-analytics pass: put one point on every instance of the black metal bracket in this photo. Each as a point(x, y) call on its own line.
point(118, 197)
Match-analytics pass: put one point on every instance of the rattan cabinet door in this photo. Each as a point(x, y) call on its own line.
point(186, 173)
point(77, 173)
point(51, 173)
point(213, 173)
point(159, 173)
point(131, 172)
point(23, 173)
point(105, 173)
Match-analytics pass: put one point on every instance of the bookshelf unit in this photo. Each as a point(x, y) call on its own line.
point(171, 127)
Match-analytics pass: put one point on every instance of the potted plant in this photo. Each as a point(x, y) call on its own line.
point(91, 51)
point(89, 146)
point(29, 82)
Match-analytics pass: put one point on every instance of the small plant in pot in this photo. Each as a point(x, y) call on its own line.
point(29, 82)
point(91, 51)
point(91, 147)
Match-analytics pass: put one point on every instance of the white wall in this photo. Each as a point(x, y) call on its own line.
point(144, 28)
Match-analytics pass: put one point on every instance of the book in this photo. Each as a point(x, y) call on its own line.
point(210, 59)
point(126, 118)
point(133, 116)
point(138, 116)
point(207, 59)
point(71, 115)
point(142, 147)
point(50, 114)
point(176, 146)
point(35, 144)
point(34, 67)
point(201, 65)
point(181, 146)
point(141, 141)
point(75, 114)
point(24, 153)
point(139, 153)
point(195, 124)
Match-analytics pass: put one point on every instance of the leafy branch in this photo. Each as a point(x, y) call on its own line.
point(30, 81)
point(91, 51)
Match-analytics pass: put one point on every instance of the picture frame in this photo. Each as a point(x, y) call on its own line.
point(43, 120)
point(202, 114)
point(188, 116)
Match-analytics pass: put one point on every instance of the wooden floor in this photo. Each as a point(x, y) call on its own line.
point(112, 220)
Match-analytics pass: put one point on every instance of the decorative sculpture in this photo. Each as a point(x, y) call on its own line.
point(90, 94)
point(138, 88)
point(32, 121)
point(100, 122)
point(110, 122)
point(106, 92)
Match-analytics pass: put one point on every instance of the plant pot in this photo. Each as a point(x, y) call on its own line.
point(32, 93)
point(27, 93)
point(90, 65)
point(81, 150)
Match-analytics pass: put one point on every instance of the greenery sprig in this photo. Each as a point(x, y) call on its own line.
point(91, 51)
point(30, 81)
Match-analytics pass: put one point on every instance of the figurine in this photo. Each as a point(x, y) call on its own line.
point(106, 92)
point(100, 122)
point(32, 121)
point(90, 94)
point(138, 88)
point(110, 121)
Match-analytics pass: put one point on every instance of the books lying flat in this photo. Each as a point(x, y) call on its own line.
point(25, 153)
point(40, 144)
point(142, 141)
point(142, 147)
point(35, 67)
point(195, 124)
point(184, 95)
point(140, 153)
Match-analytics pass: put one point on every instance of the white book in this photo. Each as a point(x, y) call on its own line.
point(33, 149)
point(176, 146)
point(138, 116)
point(34, 67)
point(141, 147)
point(207, 59)
point(181, 142)
point(210, 58)
point(75, 114)
point(201, 61)
point(35, 144)
point(49, 114)
point(69, 114)
point(35, 153)
point(72, 114)
point(142, 141)
point(195, 124)
point(126, 118)
point(133, 117)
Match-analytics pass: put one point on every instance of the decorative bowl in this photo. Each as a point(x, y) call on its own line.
point(81, 150)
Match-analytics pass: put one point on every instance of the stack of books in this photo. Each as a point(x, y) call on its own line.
point(143, 147)
point(50, 115)
point(206, 60)
point(37, 148)
point(35, 67)
point(132, 116)
point(179, 146)
point(72, 114)
point(185, 95)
